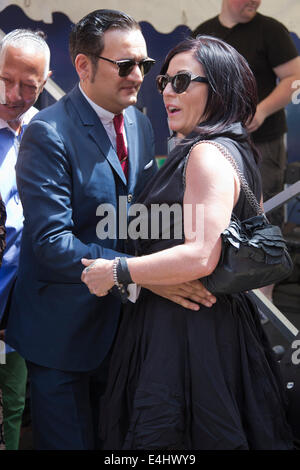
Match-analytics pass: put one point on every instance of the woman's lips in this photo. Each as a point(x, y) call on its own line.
point(171, 109)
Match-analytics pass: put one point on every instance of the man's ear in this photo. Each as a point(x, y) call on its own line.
point(83, 66)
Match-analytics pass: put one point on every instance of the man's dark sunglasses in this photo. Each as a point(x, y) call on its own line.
point(179, 82)
point(126, 65)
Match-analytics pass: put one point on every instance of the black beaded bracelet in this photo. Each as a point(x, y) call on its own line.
point(122, 278)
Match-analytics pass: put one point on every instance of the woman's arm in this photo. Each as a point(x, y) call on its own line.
point(211, 184)
point(212, 187)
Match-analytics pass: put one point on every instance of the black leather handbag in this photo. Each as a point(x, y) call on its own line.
point(254, 252)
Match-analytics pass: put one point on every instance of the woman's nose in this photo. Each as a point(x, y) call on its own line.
point(168, 89)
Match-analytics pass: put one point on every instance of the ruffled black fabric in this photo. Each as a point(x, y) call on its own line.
point(254, 232)
point(254, 254)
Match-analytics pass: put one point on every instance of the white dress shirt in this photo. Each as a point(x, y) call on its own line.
point(106, 117)
point(9, 148)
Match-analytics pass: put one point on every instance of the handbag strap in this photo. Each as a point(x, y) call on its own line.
point(250, 196)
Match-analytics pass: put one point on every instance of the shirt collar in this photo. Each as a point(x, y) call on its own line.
point(104, 115)
point(25, 118)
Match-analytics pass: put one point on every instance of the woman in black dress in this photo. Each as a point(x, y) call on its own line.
point(2, 247)
point(182, 379)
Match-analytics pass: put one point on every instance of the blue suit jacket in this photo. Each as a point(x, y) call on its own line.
point(66, 168)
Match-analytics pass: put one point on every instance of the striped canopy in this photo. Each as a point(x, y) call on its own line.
point(164, 15)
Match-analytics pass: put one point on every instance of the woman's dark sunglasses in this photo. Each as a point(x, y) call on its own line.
point(179, 82)
point(126, 65)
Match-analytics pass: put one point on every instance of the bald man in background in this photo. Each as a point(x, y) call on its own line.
point(24, 69)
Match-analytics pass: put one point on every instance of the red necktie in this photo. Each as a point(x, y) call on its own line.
point(121, 147)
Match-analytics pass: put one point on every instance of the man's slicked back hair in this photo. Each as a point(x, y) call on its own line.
point(86, 36)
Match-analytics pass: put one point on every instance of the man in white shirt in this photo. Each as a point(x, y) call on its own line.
point(24, 69)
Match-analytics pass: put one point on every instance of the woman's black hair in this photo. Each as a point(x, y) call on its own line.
point(232, 91)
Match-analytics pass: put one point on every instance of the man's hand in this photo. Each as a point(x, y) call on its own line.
point(257, 120)
point(2, 335)
point(184, 294)
point(98, 275)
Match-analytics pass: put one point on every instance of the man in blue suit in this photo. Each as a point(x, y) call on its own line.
point(68, 167)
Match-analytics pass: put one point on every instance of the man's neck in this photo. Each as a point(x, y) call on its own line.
point(97, 107)
point(227, 20)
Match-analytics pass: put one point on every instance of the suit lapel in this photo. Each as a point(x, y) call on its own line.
point(96, 131)
point(99, 135)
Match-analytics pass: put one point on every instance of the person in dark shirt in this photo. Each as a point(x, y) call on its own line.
point(274, 60)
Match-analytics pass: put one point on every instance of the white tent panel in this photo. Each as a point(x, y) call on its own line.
point(164, 15)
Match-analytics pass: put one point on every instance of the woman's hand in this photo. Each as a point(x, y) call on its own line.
point(98, 275)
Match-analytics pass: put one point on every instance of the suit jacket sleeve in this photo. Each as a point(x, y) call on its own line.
point(44, 179)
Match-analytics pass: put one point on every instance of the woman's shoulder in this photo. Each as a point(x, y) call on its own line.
point(208, 162)
point(214, 150)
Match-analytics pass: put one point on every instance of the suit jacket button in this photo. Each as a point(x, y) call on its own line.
point(129, 198)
